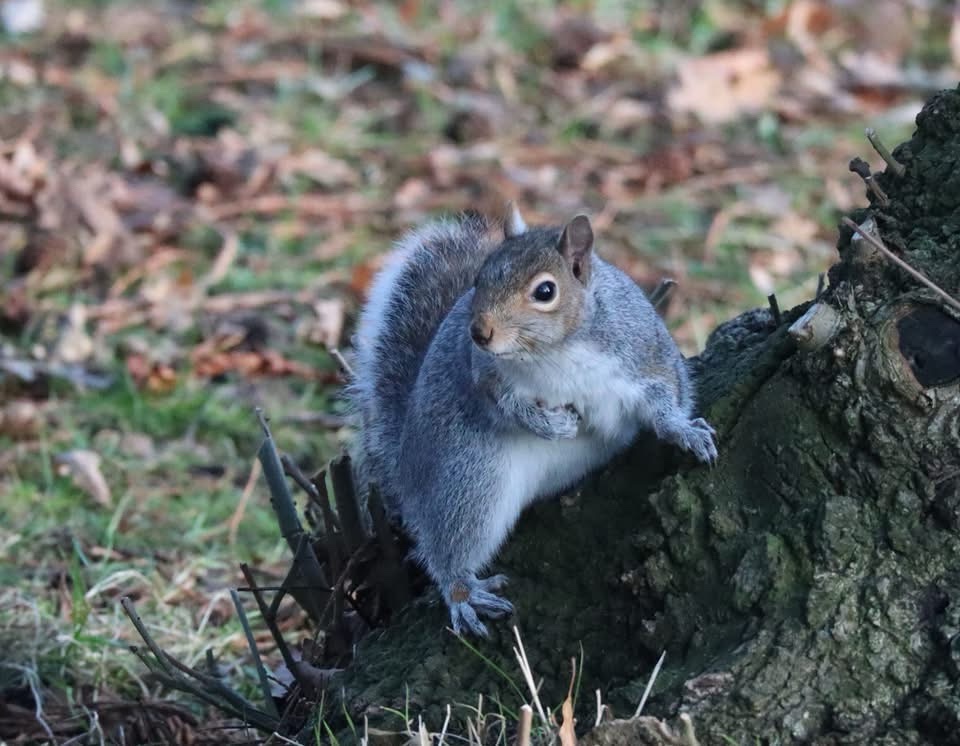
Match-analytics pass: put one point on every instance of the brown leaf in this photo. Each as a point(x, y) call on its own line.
point(571, 40)
point(720, 87)
point(20, 419)
point(568, 736)
point(210, 363)
point(362, 275)
point(84, 469)
point(319, 167)
point(154, 376)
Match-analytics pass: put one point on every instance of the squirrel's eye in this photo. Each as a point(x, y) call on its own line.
point(545, 292)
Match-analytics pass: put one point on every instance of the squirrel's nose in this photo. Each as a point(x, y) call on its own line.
point(482, 333)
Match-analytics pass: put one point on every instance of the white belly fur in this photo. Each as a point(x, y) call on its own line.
point(610, 403)
point(611, 410)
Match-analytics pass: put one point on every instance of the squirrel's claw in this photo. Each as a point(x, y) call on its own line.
point(464, 618)
point(494, 584)
point(490, 605)
point(698, 437)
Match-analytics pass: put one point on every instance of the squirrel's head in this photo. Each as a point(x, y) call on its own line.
point(531, 292)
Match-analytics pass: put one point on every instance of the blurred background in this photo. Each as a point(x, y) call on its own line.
point(195, 195)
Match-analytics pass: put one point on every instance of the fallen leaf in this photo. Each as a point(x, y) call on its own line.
point(83, 467)
point(211, 363)
point(568, 736)
point(722, 86)
point(152, 375)
point(327, 328)
point(74, 344)
point(20, 419)
point(572, 39)
point(320, 167)
point(327, 10)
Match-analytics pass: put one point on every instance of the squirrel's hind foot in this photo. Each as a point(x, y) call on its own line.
point(470, 600)
point(700, 438)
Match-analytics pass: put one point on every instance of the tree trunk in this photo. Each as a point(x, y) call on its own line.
point(807, 588)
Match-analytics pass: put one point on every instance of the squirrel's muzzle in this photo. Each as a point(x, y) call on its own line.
point(481, 330)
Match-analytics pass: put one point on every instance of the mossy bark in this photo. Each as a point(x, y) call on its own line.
point(807, 588)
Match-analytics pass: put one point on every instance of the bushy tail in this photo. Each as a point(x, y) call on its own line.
point(427, 272)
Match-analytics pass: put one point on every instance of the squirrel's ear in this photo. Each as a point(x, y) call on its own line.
point(513, 224)
point(575, 245)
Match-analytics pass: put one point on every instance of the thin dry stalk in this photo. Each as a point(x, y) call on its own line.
point(653, 677)
point(528, 676)
point(233, 525)
point(568, 736)
point(342, 362)
point(446, 724)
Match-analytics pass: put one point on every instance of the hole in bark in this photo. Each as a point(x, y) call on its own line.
point(930, 343)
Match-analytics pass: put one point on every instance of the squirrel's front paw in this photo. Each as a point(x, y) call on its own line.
point(559, 423)
point(698, 437)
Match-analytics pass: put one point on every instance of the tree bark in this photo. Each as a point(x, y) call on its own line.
point(807, 588)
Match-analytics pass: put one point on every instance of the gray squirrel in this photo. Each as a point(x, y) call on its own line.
point(497, 364)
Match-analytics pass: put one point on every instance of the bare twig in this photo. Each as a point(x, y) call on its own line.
point(333, 538)
point(345, 496)
point(916, 274)
point(337, 594)
point(342, 362)
point(291, 469)
point(211, 690)
point(289, 522)
point(896, 166)
point(269, 619)
point(252, 644)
